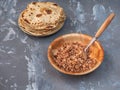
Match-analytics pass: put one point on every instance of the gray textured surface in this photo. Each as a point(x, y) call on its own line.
point(23, 58)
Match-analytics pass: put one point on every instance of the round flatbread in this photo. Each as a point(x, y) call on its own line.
point(41, 18)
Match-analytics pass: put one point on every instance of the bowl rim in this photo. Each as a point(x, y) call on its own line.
point(70, 73)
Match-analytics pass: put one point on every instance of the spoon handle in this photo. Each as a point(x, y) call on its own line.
point(104, 25)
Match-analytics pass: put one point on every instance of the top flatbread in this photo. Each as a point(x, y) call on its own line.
point(43, 15)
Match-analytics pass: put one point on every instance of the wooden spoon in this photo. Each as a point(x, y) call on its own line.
point(101, 30)
point(98, 33)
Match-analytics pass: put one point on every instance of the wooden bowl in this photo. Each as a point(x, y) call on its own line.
point(96, 50)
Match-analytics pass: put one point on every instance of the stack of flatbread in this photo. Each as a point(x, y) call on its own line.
point(41, 18)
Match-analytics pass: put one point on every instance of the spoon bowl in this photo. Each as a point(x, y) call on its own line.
point(96, 50)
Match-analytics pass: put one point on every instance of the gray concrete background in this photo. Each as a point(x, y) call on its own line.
point(23, 58)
